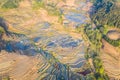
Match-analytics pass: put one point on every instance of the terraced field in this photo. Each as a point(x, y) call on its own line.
point(111, 60)
point(45, 43)
point(48, 50)
point(18, 67)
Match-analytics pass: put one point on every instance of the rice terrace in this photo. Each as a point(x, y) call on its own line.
point(59, 39)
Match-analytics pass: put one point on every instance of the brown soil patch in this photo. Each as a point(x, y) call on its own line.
point(114, 35)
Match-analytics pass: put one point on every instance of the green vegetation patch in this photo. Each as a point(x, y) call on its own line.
point(106, 13)
point(94, 35)
point(93, 52)
point(51, 7)
point(10, 4)
point(115, 43)
point(38, 4)
point(1, 30)
point(106, 16)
